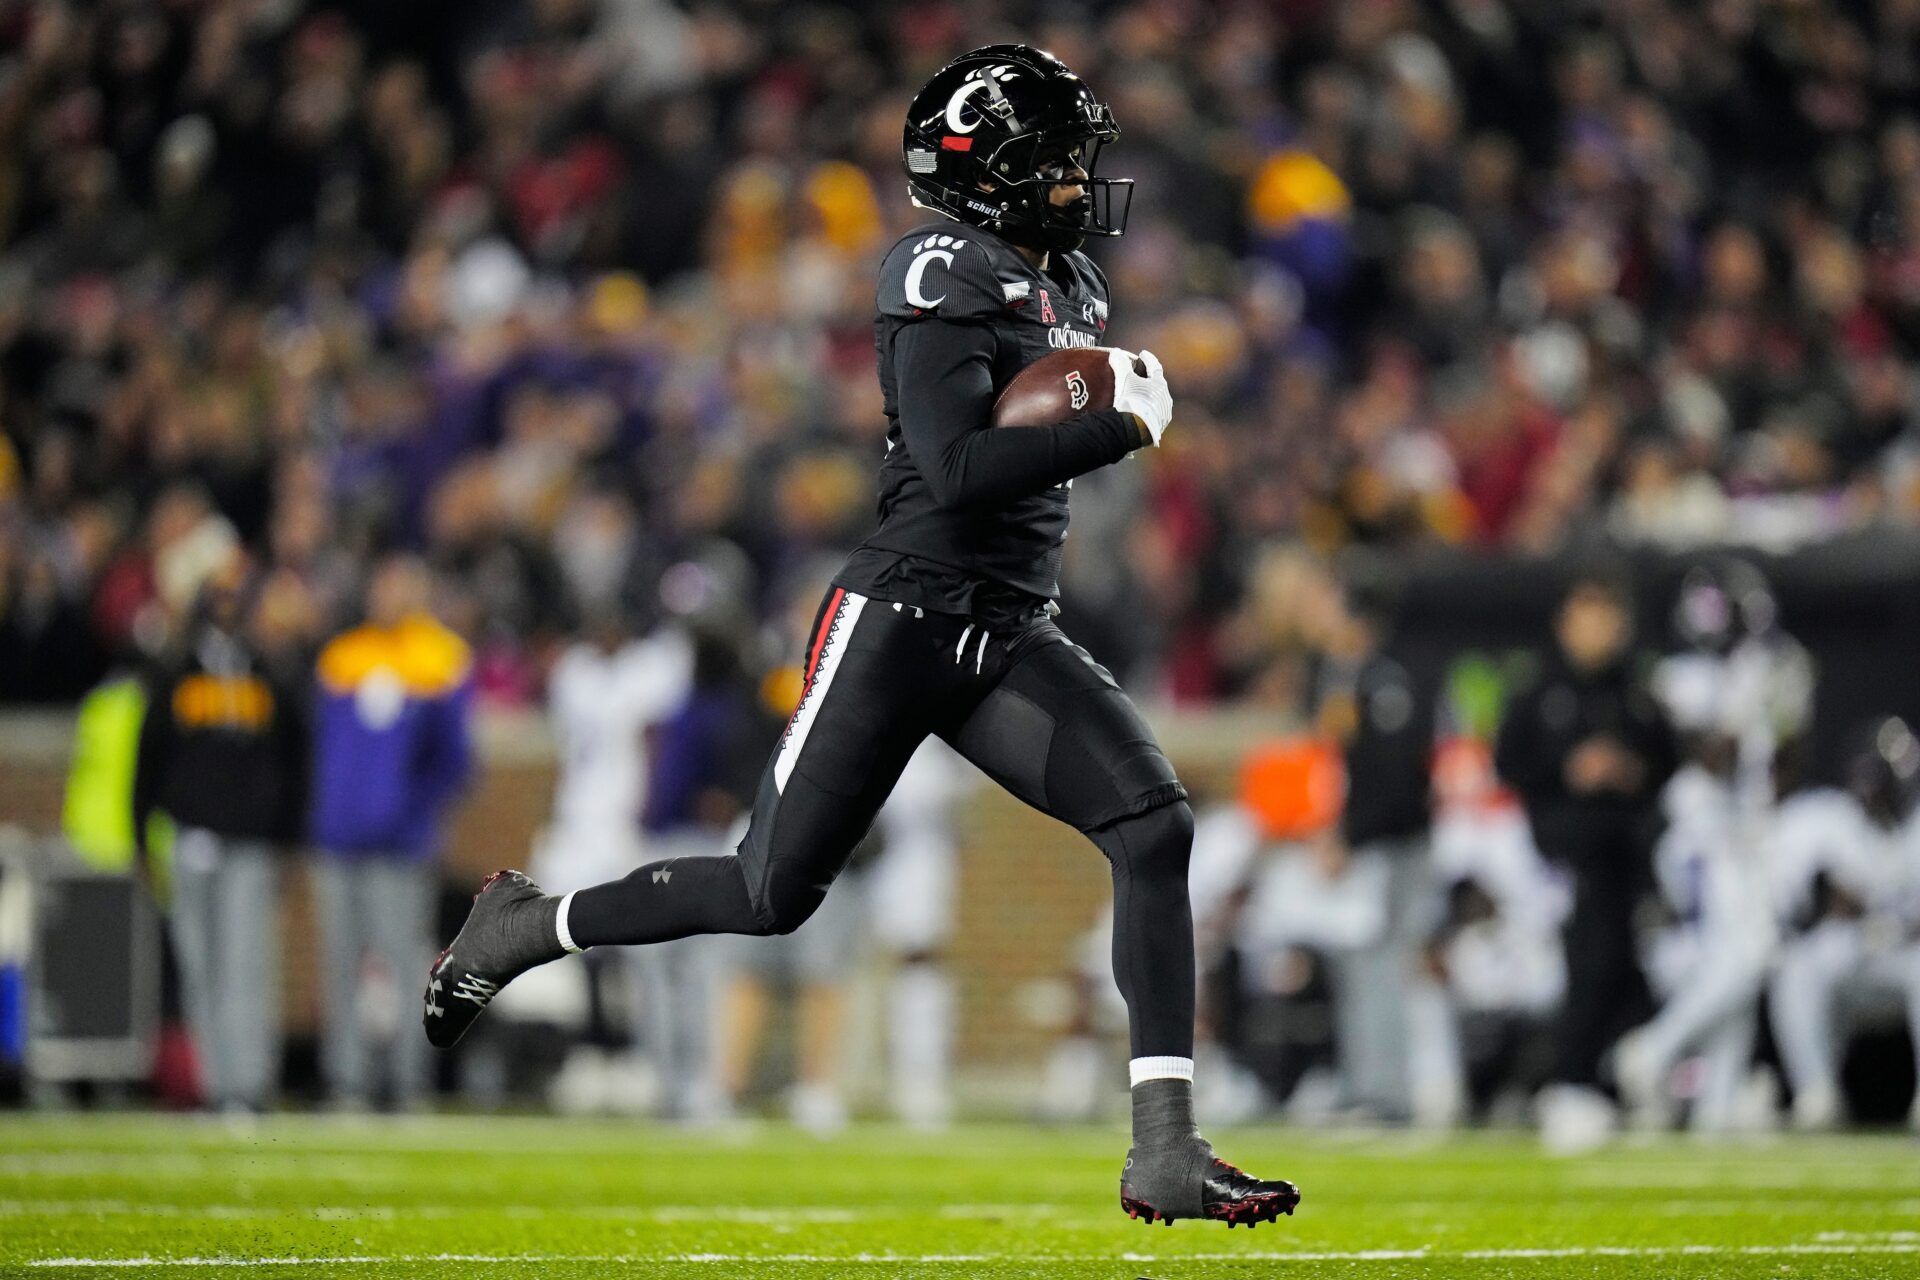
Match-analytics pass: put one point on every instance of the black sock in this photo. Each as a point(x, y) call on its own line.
point(662, 901)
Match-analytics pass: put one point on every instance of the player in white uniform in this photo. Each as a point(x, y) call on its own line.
point(1709, 965)
point(1847, 885)
point(910, 895)
point(900, 904)
point(602, 695)
point(1740, 688)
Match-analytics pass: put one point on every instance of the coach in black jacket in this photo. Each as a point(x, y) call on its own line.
point(223, 750)
point(1588, 750)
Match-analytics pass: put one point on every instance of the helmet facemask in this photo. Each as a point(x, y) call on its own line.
point(1052, 159)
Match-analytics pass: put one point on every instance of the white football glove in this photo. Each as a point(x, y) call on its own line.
point(1144, 395)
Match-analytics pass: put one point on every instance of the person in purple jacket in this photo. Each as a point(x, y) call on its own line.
point(391, 751)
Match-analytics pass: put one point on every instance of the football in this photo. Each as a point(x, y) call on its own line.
point(1057, 387)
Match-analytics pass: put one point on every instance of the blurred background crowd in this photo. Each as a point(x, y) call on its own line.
point(555, 290)
point(366, 366)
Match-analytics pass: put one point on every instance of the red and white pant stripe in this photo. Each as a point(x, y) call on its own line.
point(824, 655)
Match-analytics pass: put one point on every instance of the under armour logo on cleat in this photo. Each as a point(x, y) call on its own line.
point(434, 1010)
point(662, 877)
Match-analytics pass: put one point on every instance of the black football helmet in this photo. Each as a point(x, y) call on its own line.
point(1883, 770)
point(1723, 601)
point(996, 130)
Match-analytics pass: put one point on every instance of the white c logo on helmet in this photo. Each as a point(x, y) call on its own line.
point(924, 254)
point(960, 95)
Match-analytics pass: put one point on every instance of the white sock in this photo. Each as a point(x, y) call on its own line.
point(560, 926)
point(920, 1018)
point(1140, 1069)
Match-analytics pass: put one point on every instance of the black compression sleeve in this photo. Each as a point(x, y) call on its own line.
point(944, 372)
point(677, 898)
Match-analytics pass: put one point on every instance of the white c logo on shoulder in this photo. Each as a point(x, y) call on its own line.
point(926, 251)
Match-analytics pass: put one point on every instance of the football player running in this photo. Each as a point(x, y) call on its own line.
point(941, 622)
point(1740, 688)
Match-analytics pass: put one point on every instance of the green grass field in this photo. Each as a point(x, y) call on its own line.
point(152, 1197)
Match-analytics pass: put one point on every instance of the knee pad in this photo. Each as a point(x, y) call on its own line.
point(1158, 842)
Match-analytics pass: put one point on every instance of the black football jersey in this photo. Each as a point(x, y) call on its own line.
point(972, 519)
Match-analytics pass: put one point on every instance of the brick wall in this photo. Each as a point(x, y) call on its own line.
point(1029, 887)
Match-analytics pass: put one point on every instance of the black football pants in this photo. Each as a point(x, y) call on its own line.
point(1029, 707)
point(1607, 993)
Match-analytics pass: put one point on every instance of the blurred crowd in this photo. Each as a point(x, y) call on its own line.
point(1600, 886)
point(561, 292)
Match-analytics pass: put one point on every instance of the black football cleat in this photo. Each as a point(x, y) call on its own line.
point(510, 929)
point(1226, 1194)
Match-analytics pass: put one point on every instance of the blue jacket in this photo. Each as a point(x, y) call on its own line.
point(391, 739)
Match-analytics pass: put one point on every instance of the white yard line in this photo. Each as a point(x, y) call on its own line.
point(224, 1163)
point(1869, 1237)
point(1732, 1177)
point(52, 1208)
point(1357, 1255)
point(822, 1214)
point(1872, 1170)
